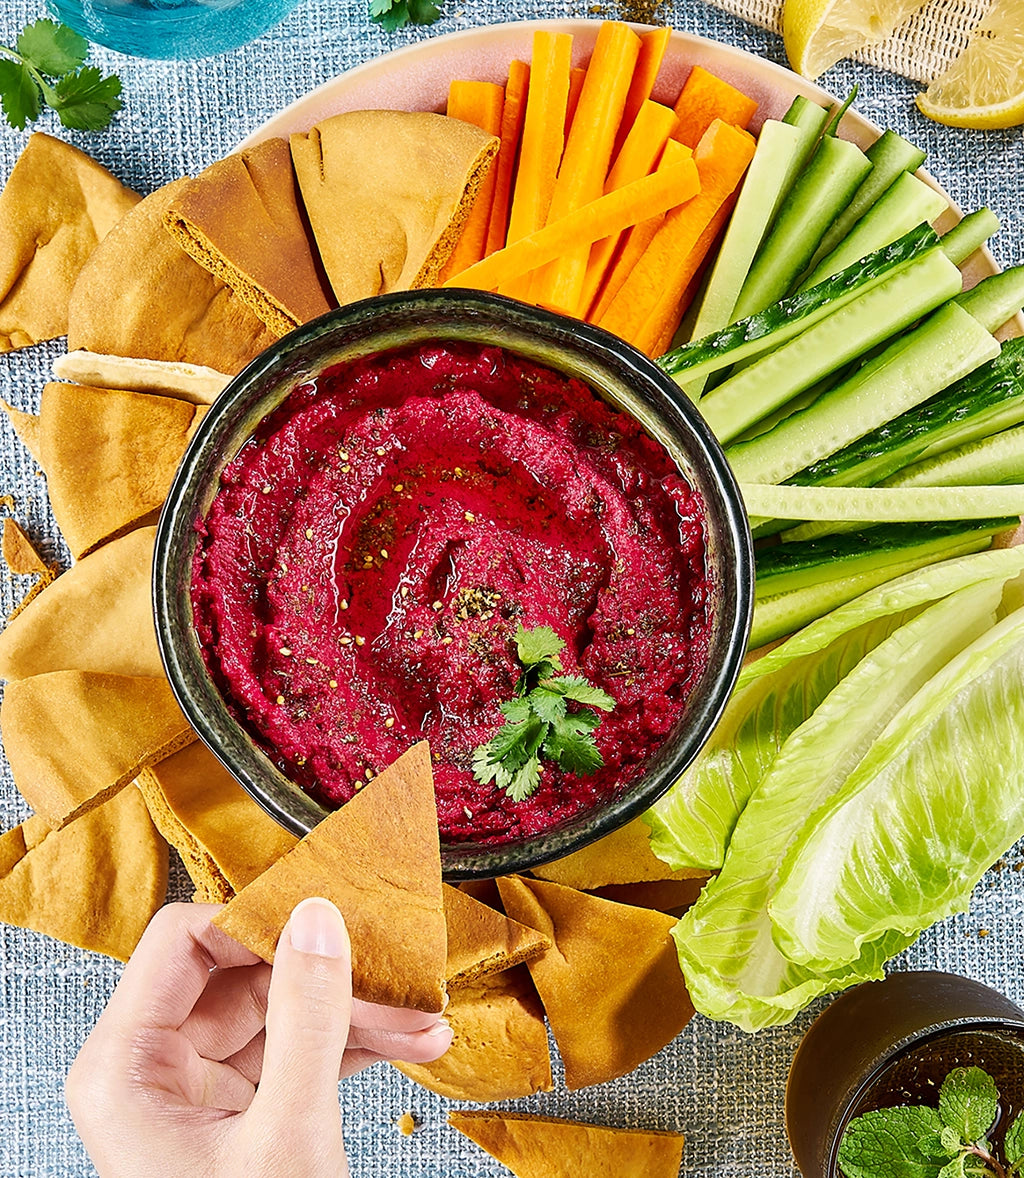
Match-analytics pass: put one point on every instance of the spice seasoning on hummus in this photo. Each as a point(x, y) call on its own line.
point(373, 549)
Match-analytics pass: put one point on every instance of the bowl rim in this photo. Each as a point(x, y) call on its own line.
point(176, 535)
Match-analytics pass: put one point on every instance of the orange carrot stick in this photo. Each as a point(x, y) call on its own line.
point(543, 136)
point(512, 116)
point(639, 155)
point(705, 98)
point(479, 103)
point(670, 261)
point(588, 152)
point(576, 79)
point(609, 214)
point(652, 49)
point(633, 244)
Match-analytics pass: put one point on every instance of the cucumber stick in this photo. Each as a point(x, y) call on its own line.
point(906, 203)
point(770, 382)
point(891, 156)
point(755, 334)
point(948, 345)
point(825, 188)
point(999, 458)
point(882, 504)
point(970, 234)
point(995, 299)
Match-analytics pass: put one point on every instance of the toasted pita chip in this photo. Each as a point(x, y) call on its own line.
point(545, 1147)
point(624, 856)
point(484, 890)
point(611, 987)
point(94, 884)
point(400, 184)
point(109, 457)
point(482, 941)
point(378, 858)
point(241, 220)
point(26, 428)
point(98, 616)
point(664, 895)
point(74, 738)
point(225, 825)
point(169, 378)
point(141, 295)
point(499, 1045)
point(20, 553)
point(56, 206)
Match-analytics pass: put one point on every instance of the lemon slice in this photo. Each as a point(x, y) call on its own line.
point(818, 33)
point(984, 86)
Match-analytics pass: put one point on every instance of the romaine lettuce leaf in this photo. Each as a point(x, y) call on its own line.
point(936, 801)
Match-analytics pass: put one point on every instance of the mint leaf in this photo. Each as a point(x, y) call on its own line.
point(892, 1143)
point(538, 645)
point(969, 1102)
point(52, 48)
point(19, 94)
point(950, 1140)
point(1013, 1142)
point(86, 100)
point(576, 688)
point(954, 1168)
point(549, 705)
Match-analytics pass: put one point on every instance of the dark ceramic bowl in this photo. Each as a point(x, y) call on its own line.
point(619, 373)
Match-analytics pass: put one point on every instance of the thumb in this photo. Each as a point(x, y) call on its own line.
point(309, 1007)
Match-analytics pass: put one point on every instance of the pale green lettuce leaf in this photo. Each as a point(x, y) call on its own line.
point(734, 969)
point(936, 801)
point(692, 824)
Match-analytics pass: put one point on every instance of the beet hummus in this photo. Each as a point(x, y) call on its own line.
point(371, 551)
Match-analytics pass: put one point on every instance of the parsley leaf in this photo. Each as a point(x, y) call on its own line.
point(82, 97)
point(538, 722)
point(394, 14)
point(968, 1102)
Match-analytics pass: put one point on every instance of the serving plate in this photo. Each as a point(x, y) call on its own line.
point(417, 77)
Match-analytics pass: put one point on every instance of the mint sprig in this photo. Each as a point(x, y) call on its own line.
point(393, 14)
point(47, 67)
point(917, 1141)
point(538, 723)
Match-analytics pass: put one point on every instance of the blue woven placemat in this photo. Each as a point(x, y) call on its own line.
point(722, 1088)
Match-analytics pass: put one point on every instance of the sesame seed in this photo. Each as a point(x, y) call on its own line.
point(358, 783)
point(446, 641)
point(405, 590)
point(418, 634)
point(343, 455)
point(345, 640)
point(346, 468)
point(311, 662)
point(399, 487)
point(467, 811)
point(309, 533)
point(280, 699)
point(381, 451)
point(266, 490)
point(470, 518)
point(389, 722)
point(342, 605)
point(631, 631)
point(438, 606)
point(360, 640)
point(332, 683)
point(384, 553)
point(286, 650)
point(369, 775)
point(458, 472)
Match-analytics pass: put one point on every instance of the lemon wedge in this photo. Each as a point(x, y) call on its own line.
point(984, 86)
point(818, 33)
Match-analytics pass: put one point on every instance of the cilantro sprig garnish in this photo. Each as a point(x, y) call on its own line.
point(538, 723)
point(948, 1142)
point(393, 14)
point(46, 66)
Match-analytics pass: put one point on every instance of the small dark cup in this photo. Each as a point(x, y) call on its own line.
point(618, 373)
point(891, 1034)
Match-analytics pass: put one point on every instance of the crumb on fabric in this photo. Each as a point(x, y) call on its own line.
point(406, 1123)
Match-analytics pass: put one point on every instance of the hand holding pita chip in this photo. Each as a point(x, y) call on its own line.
point(209, 1061)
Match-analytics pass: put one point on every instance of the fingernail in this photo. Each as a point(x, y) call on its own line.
point(439, 1027)
point(316, 926)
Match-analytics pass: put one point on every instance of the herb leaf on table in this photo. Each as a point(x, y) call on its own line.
point(394, 14)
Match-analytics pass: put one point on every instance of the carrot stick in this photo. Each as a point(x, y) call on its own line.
point(512, 116)
point(609, 214)
point(705, 98)
point(576, 79)
point(543, 135)
point(479, 103)
point(652, 49)
point(670, 261)
point(639, 154)
point(632, 245)
point(588, 152)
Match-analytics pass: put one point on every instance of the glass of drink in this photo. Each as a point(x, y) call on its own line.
point(170, 28)
point(893, 1043)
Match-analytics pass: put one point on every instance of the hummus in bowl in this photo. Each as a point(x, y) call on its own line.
point(376, 507)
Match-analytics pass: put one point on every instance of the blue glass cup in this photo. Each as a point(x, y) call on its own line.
point(171, 28)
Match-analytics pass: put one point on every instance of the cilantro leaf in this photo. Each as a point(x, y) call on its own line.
point(1013, 1142)
point(573, 747)
point(86, 100)
point(968, 1102)
point(52, 48)
point(548, 705)
point(525, 781)
point(893, 1143)
point(19, 94)
point(576, 688)
point(394, 14)
point(517, 709)
point(539, 645)
point(422, 12)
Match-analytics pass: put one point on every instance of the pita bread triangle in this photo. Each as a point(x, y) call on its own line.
point(611, 987)
point(241, 219)
point(546, 1147)
point(19, 553)
point(378, 858)
point(483, 941)
point(622, 857)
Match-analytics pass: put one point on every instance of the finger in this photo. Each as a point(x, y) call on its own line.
point(390, 1018)
point(248, 1060)
point(308, 1011)
point(171, 967)
point(414, 1047)
point(230, 1011)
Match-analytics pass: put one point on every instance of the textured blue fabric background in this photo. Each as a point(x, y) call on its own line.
point(722, 1088)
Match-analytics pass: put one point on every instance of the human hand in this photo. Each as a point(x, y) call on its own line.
point(208, 1062)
